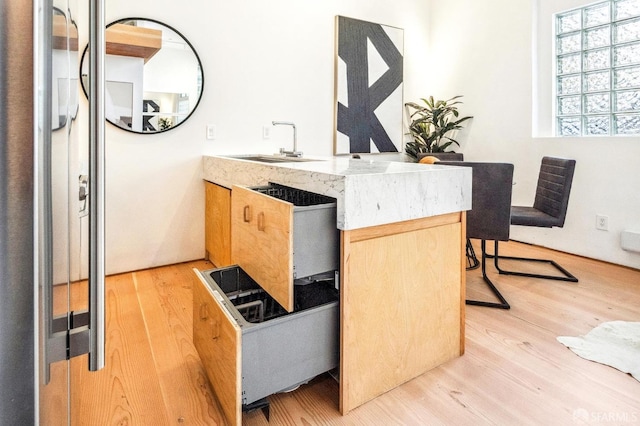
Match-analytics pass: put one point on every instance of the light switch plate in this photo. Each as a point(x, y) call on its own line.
point(211, 131)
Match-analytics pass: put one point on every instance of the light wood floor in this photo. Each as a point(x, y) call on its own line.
point(513, 372)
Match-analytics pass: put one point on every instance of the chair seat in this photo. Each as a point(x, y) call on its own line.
point(549, 210)
point(529, 216)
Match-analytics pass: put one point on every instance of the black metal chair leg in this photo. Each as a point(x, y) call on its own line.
point(472, 259)
point(503, 302)
point(567, 276)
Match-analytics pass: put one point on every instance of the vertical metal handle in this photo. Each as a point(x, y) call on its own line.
point(96, 185)
point(45, 182)
point(261, 221)
point(247, 214)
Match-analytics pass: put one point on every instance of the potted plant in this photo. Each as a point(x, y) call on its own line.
point(431, 125)
point(164, 123)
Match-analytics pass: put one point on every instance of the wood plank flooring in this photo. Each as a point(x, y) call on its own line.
point(513, 372)
point(153, 375)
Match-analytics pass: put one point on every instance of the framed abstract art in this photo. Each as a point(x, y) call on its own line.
point(368, 87)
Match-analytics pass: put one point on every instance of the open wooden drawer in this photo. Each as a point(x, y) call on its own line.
point(251, 347)
point(280, 234)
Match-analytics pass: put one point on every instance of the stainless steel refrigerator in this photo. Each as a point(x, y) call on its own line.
point(51, 207)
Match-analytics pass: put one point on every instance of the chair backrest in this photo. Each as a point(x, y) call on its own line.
point(443, 156)
point(554, 187)
point(490, 214)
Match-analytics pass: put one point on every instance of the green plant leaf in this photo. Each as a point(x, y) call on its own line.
point(431, 124)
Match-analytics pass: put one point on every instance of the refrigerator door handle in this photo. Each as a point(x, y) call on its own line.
point(79, 332)
point(96, 185)
point(83, 195)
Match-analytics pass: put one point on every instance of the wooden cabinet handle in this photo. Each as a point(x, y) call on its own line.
point(215, 329)
point(247, 214)
point(204, 312)
point(261, 221)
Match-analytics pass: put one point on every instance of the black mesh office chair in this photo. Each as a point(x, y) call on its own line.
point(549, 210)
point(489, 217)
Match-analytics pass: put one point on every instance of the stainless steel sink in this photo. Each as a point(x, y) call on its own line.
point(265, 158)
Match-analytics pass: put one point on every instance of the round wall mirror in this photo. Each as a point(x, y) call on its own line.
point(153, 76)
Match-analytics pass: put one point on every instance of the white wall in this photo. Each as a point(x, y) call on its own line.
point(274, 60)
point(497, 53)
point(263, 61)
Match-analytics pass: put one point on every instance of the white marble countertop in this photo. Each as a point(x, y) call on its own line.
point(368, 192)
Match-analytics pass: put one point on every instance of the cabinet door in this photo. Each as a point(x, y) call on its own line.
point(217, 226)
point(403, 285)
point(218, 339)
point(262, 241)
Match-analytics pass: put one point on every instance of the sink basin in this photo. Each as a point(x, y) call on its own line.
point(265, 158)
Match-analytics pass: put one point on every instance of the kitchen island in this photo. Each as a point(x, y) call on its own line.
point(402, 270)
point(369, 193)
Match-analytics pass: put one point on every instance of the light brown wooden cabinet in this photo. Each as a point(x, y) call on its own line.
point(282, 236)
point(401, 303)
point(248, 357)
point(401, 295)
point(250, 346)
point(217, 337)
point(217, 225)
point(263, 241)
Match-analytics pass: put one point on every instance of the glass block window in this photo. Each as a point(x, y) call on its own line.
point(598, 69)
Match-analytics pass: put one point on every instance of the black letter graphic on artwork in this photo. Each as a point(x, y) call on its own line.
point(358, 121)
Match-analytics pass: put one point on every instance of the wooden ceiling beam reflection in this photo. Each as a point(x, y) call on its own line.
point(127, 40)
point(122, 40)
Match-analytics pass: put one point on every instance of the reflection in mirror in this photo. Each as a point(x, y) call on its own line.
point(119, 97)
point(64, 88)
point(67, 158)
point(154, 77)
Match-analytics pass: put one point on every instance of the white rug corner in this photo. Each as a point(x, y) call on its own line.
point(613, 343)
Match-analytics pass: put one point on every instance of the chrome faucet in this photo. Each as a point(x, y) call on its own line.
point(295, 152)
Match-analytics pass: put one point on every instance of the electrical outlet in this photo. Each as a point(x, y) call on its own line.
point(266, 132)
point(602, 222)
point(211, 131)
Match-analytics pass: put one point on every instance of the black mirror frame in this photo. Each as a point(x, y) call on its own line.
point(195, 53)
